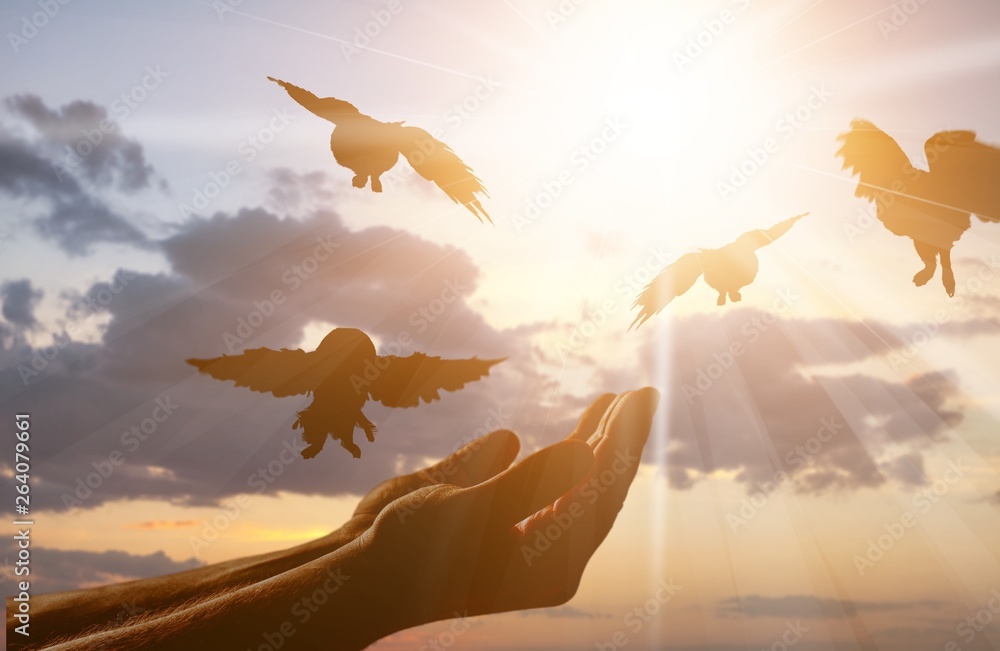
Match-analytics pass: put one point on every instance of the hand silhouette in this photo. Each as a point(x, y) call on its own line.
point(466, 536)
point(519, 540)
point(68, 613)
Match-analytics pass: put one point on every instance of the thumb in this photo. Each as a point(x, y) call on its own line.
point(533, 483)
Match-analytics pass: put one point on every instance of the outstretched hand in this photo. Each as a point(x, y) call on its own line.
point(518, 540)
point(469, 535)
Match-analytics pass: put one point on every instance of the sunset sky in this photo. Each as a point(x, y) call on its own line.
point(608, 135)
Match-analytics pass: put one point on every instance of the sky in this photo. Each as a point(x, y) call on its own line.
point(613, 138)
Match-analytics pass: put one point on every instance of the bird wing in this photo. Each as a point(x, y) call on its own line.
point(405, 381)
point(281, 372)
point(674, 280)
point(762, 237)
point(437, 162)
point(875, 158)
point(328, 108)
point(965, 173)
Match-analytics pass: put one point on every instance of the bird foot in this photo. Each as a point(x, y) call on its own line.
point(311, 451)
point(370, 433)
point(949, 286)
point(722, 300)
point(352, 447)
point(376, 185)
point(923, 277)
point(735, 297)
point(359, 181)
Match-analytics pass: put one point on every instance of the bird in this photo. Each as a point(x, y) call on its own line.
point(341, 375)
point(727, 270)
point(370, 148)
point(933, 207)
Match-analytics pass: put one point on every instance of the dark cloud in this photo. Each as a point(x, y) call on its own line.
point(811, 607)
point(74, 218)
point(19, 299)
point(83, 139)
point(77, 226)
point(765, 400)
point(248, 280)
point(57, 570)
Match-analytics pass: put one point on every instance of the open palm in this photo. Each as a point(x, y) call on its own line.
point(519, 540)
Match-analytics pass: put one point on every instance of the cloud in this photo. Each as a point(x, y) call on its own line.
point(250, 279)
point(73, 216)
point(157, 525)
point(75, 227)
point(59, 570)
point(82, 138)
point(804, 400)
point(19, 299)
point(811, 607)
point(563, 612)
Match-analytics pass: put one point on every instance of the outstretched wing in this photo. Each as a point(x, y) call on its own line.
point(873, 156)
point(437, 162)
point(673, 281)
point(965, 173)
point(328, 108)
point(762, 237)
point(281, 372)
point(405, 381)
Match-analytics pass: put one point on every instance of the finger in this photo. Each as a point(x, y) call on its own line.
point(591, 418)
point(533, 483)
point(476, 462)
point(623, 435)
point(602, 427)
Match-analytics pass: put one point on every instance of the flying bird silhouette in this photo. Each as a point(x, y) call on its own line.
point(933, 208)
point(342, 374)
point(370, 148)
point(727, 270)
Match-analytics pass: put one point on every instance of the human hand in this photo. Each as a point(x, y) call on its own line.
point(472, 464)
point(439, 551)
point(443, 550)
